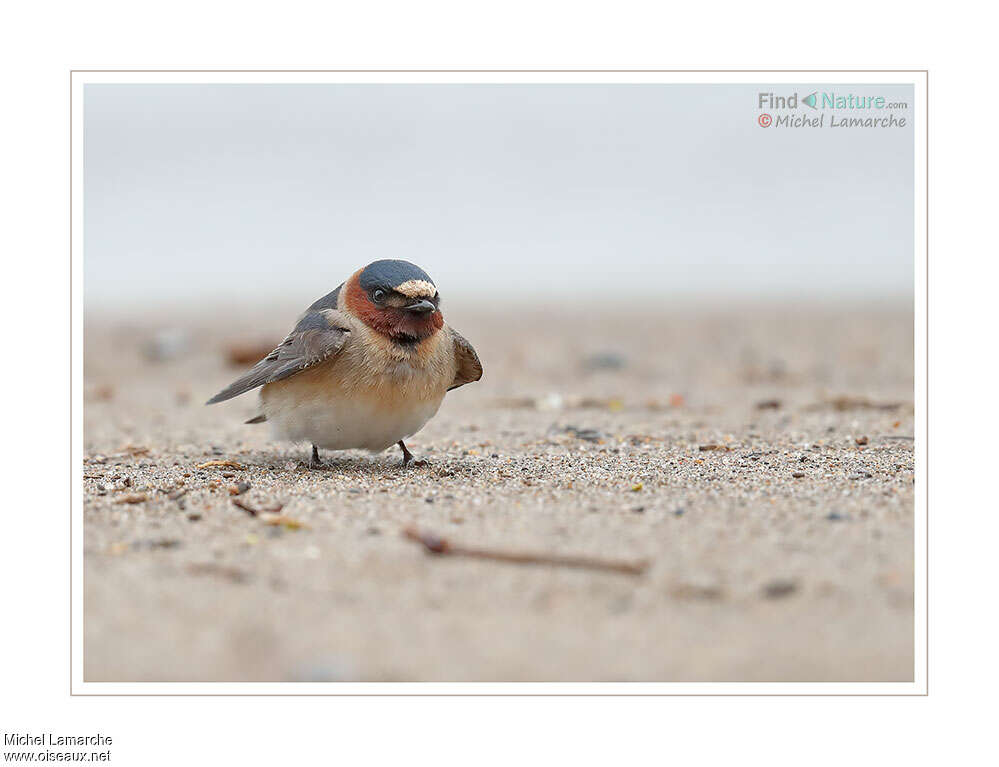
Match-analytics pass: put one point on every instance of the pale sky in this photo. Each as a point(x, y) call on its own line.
point(272, 191)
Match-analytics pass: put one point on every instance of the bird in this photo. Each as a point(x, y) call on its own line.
point(365, 367)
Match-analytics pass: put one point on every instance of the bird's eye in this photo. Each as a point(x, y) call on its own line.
point(378, 295)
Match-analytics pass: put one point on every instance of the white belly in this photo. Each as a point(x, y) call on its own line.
point(317, 410)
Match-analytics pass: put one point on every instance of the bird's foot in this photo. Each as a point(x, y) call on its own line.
point(408, 456)
point(314, 461)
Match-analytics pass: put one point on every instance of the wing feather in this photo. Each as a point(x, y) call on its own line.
point(469, 367)
point(317, 337)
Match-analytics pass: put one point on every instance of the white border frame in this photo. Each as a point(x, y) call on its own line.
point(918, 79)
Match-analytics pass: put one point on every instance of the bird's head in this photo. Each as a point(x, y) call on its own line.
point(395, 298)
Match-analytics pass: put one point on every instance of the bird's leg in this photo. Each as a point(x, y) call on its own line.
point(406, 455)
point(314, 462)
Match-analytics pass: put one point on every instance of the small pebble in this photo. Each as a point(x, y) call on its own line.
point(778, 589)
point(605, 360)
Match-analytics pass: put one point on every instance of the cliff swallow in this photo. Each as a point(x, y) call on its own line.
point(365, 367)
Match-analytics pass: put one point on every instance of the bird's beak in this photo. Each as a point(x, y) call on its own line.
point(423, 306)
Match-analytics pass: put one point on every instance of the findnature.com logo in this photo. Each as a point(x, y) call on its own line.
point(817, 102)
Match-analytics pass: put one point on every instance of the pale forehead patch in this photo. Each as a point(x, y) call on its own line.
point(417, 289)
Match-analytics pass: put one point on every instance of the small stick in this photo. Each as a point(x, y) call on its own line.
point(252, 511)
point(434, 544)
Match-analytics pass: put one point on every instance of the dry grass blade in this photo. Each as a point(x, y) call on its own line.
point(210, 464)
point(280, 520)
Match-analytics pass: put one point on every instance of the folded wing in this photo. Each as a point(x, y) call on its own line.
point(318, 336)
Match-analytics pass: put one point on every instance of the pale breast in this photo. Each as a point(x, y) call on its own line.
point(369, 396)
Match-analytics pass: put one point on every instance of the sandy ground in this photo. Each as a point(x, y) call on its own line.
point(760, 460)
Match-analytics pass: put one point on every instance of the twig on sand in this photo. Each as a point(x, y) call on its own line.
point(239, 503)
point(434, 544)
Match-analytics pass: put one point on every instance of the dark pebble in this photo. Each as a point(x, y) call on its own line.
point(779, 589)
point(605, 360)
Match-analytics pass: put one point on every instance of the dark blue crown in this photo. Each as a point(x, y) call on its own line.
point(389, 273)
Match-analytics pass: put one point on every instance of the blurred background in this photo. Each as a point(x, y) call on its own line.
point(251, 192)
